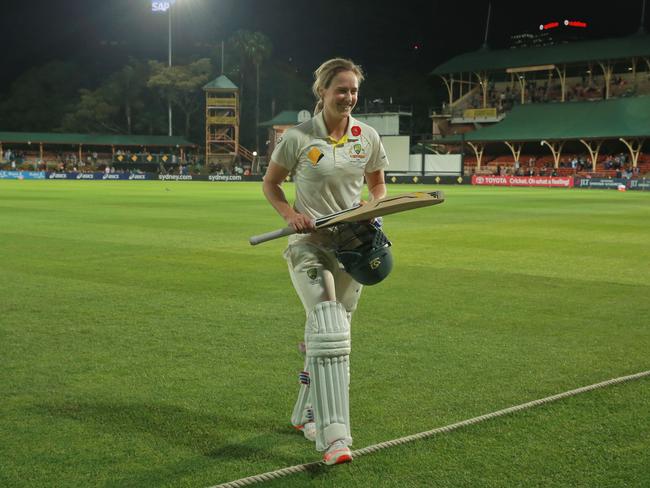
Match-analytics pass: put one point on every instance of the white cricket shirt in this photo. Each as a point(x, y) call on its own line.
point(328, 173)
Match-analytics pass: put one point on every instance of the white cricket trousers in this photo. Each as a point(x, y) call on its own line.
point(317, 276)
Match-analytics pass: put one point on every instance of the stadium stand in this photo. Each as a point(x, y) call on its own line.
point(90, 152)
point(579, 108)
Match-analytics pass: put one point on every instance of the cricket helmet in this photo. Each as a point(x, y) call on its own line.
point(364, 251)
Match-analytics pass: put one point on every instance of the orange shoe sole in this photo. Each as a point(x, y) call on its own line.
point(339, 456)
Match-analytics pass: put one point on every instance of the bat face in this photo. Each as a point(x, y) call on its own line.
point(378, 208)
point(385, 206)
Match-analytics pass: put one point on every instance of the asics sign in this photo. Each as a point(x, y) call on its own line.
point(161, 6)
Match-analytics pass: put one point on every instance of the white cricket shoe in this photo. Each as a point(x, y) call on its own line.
point(337, 453)
point(309, 430)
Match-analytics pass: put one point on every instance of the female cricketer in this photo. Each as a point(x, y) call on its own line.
point(329, 157)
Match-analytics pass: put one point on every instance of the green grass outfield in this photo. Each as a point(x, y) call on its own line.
point(143, 342)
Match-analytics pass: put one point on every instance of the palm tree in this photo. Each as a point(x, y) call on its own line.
point(239, 42)
point(260, 49)
point(253, 47)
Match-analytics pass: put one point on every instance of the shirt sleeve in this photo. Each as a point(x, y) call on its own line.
point(378, 159)
point(286, 151)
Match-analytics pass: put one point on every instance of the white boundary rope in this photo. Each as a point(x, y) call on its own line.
point(271, 475)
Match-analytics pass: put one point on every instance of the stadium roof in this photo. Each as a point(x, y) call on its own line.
point(92, 139)
point(286, 117)
point(607, 119)
point(221, 83)
point(637, 45)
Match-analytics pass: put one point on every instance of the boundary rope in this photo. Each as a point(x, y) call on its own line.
point(300, 468)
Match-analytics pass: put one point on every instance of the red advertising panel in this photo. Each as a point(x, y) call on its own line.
point(548, 181)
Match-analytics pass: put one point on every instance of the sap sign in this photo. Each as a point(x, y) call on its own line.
point(161, 6)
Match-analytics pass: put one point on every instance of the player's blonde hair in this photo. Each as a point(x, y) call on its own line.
point(326, 72)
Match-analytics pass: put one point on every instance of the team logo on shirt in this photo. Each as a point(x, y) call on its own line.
point(315, 156)
point(357, 151)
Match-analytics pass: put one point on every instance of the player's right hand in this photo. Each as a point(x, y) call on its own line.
point(300, 223)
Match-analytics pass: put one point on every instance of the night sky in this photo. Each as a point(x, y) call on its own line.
point(379, 35)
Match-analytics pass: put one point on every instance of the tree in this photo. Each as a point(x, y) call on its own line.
point(260, 49)
point(40, 97)
point(121, 104)
point(182, 85)
point(239, 44)
point(253, 48)
point(95, 112)
point(131, 83)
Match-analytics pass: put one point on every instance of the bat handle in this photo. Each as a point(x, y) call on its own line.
point(287, 231)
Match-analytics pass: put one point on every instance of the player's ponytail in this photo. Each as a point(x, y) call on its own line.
point(326, 72)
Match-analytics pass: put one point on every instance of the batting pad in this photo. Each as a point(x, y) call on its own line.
point(328, 350)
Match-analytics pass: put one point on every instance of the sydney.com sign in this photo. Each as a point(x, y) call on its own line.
point(161, 6)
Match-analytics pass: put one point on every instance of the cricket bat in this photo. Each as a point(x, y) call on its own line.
point(377, 208)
